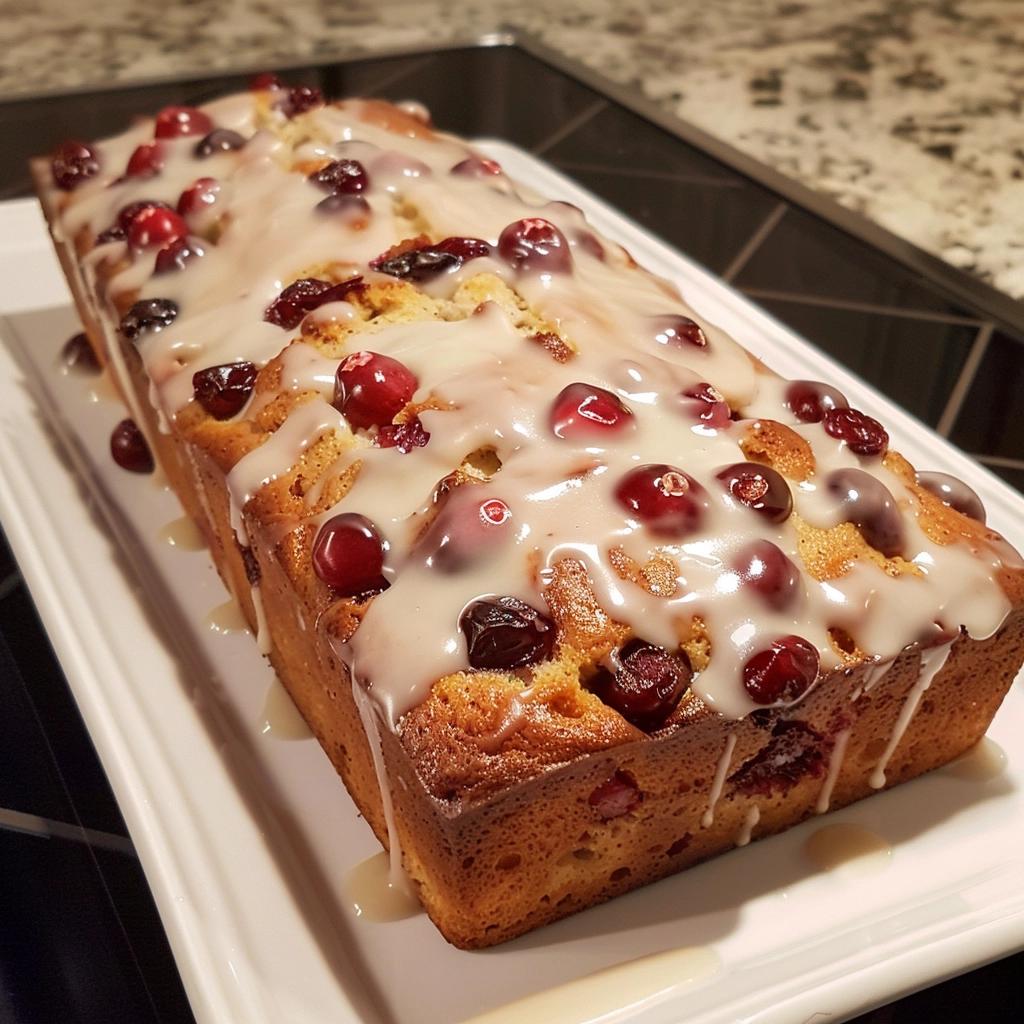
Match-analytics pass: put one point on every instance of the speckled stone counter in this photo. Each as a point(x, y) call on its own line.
point(908, 111)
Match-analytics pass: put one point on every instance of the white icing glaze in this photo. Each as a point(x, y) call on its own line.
point(835, 766)
point(753, 816)
point(718, 783)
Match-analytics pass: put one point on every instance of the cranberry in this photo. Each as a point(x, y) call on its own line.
point(867, 503)
point(348, 555)
point(760, 488)
point(74, 162)
point(341, 177)
point(305, 295)
point(145, 161)
point(220, 140)
point(155, 226)
point(618, 796)
point(808, 400)
point(119, 229)
point(371, 389)
point(767, 571)
point(173, 122)
point(679, 331)
point(347, 206)
point(148, 315)
point(426, 262)
point(403, 436)
point(709, 405)
point(783, 673)
point(175, 255)
point(299, 99)
point(953, 492)
point(669, 502)
point(505, 633)
point(646, 685)
point(78, 354)
point(861, 433)
point(199, 196)
point(465, 531)
point(129, 448)
point(265, 80)
point(586, 411)
point(535, 244)
point(223, 390)
point(795, 752)
point(477, 167)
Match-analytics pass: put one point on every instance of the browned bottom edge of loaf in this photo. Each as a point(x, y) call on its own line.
point(540, 851)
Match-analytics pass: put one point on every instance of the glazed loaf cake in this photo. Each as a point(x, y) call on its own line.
point(573, 590)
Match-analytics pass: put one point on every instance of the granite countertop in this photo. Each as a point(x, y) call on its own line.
point(908, 111)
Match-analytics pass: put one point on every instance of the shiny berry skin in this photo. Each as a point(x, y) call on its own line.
point(341, 177)
point(371, 389)
point(477, 167)
point(403, 436)
point(867, 503)
point(616, 797)
point(585, 411)
point(862, 434)
point(72, 163)
point(669, 502)
point(129, 448)
point(223, 390)
point(763, 568)
point(145, 161)
point(761, 488)
point(199, 196)
point(303, 296)
point(300, 98)
point(535, 244)
point(679, 332)
point(119, 229)
point(220, 140)
point(953, 492)
point(148, 315)
point(177, 254)
point(783, 673)
point(174, 122)
point(506, 633)
point(348, 555)
point(646, 685)
point(155, 226)
point(808, 400)
point(430, 260)
point(347, 207)
point(708, 405)
point(78, 354)
point(465, 531)
point(265, 80)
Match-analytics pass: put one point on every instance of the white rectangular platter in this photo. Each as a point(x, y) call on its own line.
point(248, 838)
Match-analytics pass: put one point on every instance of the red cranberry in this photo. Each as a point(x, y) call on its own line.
point(669, 502)
point(586, 411)
point(465, 531)
point(119, 229)
point(861, 433)
point(709, 406)
point(78, 354)
point(422, 264)
point(300, 98)
point(145, 161)
point(346, 206)
point(760, 488)
point(808, 400)
point(341, 177)
point(72, 163)
point(371, 389)
point(129, 448)
point(305, 295)
point(679, 331)
point(477, 167)
point(199, 196)
point(783, 673)
point(223, 390)
point(767, 571)
point(616, 797)
point(173, 122)
point(506, 633)
point(220, 140)
point(794, 753)
point(265, 80)
point(403, 436)
point(155, 226)
point(177, 254)
point(646, 685)
point(953, 492)
point(867, 503)
point(348, 555)
point(535, 244)
point(148, 315)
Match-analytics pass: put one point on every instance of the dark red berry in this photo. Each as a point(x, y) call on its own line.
point(155, 226)
point(145, 161)
point(763, 568)
point(867, 503)
point(809, 400)
point(174, 122)
point(465, 531)
point(78, 354)
point(506, 633)
point(679, 331)
point(616, 797)
point(783, 673)
point(348, 207)
point(861, 433)
point(403, 436)
point(148, 315)
point(535, 244)
point(341, 177)
point(119, 229)
point(223, 390)
point(220, 140)
point(305, 295)
point(708, 405)
point(129, 448)
point(265, 80)
point(300, 98)
point(586, 411)
point(477, 167)
point(794, 753)
point(177, 254)
point(760, 488)
point(371, 389)
point(953, 492)
point(424, 263)
point(348, 555)
point(669, 502)
point(644, 684)
point(73, 162)
point(199, 196)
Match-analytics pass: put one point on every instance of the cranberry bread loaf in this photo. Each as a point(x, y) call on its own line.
point(573, 591)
